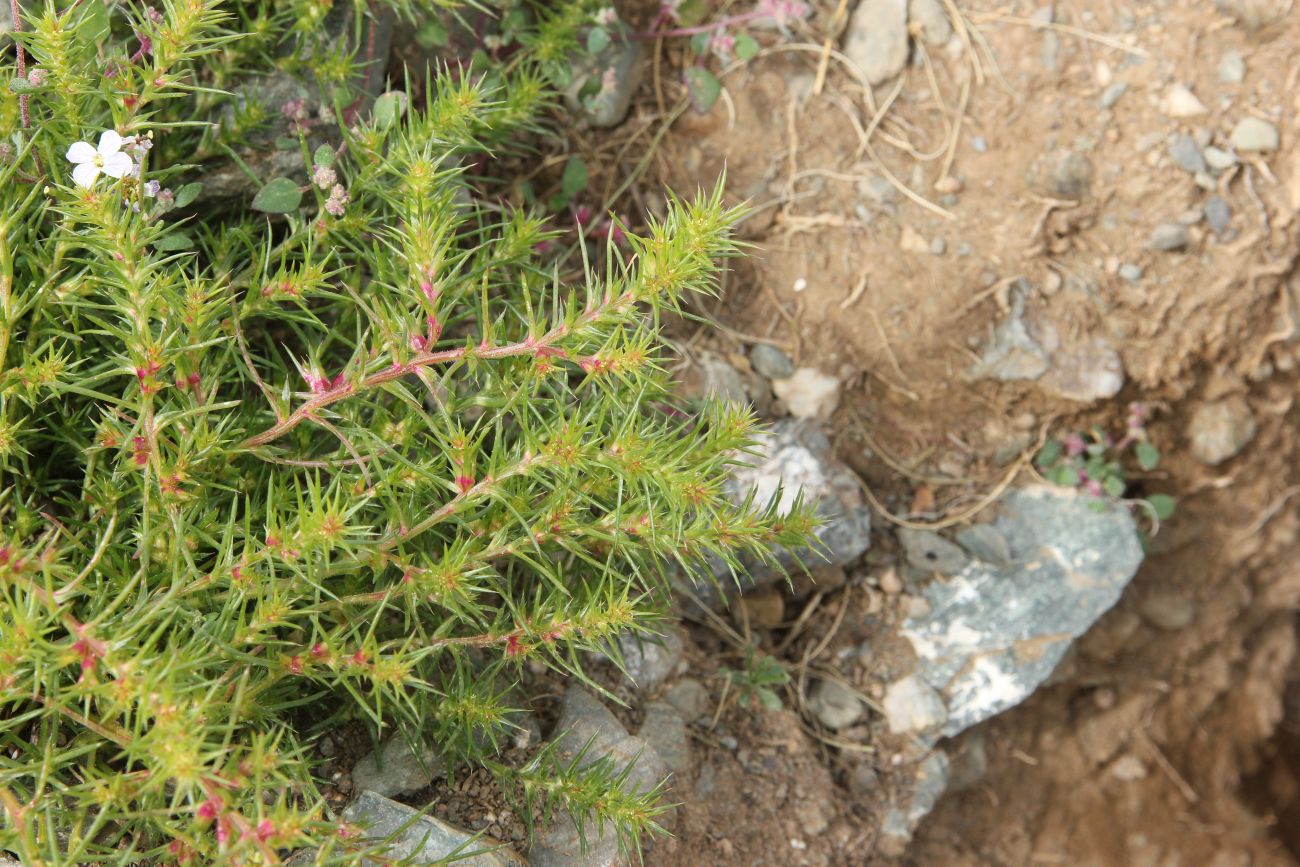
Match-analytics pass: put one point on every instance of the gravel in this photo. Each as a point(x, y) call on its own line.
point(834, 705)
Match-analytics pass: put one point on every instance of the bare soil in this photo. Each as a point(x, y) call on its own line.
point(1151, 745)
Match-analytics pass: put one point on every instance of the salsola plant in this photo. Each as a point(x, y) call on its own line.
point(361, 459)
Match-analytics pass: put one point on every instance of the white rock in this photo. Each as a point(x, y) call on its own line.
point(911, 705)
point(809, 393)
point(877, 39)
point(1255, 135)
point(1181, 102)
point(1220, 430)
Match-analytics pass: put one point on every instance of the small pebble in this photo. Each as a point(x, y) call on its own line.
point(890, 582)
point(770, 362)
point(980, 144)
point(1232, 67)
point(1219, 215)
point(1219, 159)
point(1183, 151)
point(1130, 272)
point(1179, 101)
point(729, 743)
point(1255, 136)
point(1112, 94)
point(938, 246)
point(1168, 237)
point(1168, 611)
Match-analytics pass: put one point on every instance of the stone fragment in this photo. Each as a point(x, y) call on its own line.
point(1062, 174)
point(809, 393)
point(834, 705)
point(615, 73)
point(650, 659)
point(912, 706)
point(396, 769)
point(1252, 135)
point(423, 839)
point(931, 19)
point(995, 633)
point(1168, 611)
point(985, 542)
point(665, 730)
point(1169, 237)
point(877, 39)
point(930, 552)
point(1219, 430)
point(1184, 152)
point(770, 361)
point(690, 697)
point(1180, 102)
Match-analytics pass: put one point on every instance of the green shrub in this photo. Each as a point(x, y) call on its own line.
point(362, 459)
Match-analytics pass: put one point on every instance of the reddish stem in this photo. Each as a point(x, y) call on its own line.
point(16, 13)
point(700, 28)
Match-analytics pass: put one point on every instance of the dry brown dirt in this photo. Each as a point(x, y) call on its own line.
point(1149, 746)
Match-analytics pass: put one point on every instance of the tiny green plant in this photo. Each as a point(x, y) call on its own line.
point(757, 682)
point(1099, 464)
point(342, 448)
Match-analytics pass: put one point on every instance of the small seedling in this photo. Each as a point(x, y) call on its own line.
point(1097, 463)
point(755, 682)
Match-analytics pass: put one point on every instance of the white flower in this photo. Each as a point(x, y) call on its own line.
point(107, 158)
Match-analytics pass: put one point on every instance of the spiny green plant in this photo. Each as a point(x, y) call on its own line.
point(360, 460)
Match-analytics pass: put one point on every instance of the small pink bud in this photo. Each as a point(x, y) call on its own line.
point(464, 483)
point(1074, 445)
point(210, 809)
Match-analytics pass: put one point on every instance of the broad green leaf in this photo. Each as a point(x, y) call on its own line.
point(389, 108)
point(700, 43)
point(1114, 486)
point(575, 178)
point(173, 242)
point(187, 194)
point(704, 88)
point(597, 40)
point(324, 156)
point(1049, 454)
point(1148, 455)
point(279, 196)
point(746, 46)
point(1162, 505)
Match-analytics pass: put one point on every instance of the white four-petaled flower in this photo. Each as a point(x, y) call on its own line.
point(90, 161)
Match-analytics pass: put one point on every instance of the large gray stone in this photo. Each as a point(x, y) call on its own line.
point(908, 807)
point(584, 720)
point(994, 633)
point(395, 768)
point(795, 456)
point(424, 839)
point(650, 659)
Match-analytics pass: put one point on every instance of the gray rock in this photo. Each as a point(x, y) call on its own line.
point(711, 377)
point(985, 542)
point(1130, 272)
point(664, 729)
point(834, 705)
point(395, 769)
point(1254, 14)
point(424, 839)
point(1218, 213)
point(793, 456)
point(1221, 429)
point(1062, 174)
point(650, 659)
point(1232, 67)
point(1168, 611)
point(909, 807)
point(616, 72)
point(1011, 354)
point(770, 361)
point(1168, 237)
point(979, 144)
point(1252, 135)
point(1218, 159)
point(969, 764)
point(1085, 368)
point(938, 246)
point(995, 633)
point(912, 706)
point(691, 698)
point(584, 720)
point(931, 552)
point(932, 19)
point(1183, 150)
point(877, 39)
point(1112, 94)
